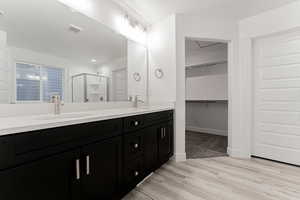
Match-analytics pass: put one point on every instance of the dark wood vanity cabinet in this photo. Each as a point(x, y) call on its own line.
point(7, 188)
point(101, 170)
point(151, 149)
point(165, 142)
point(50, 178)
point(98, 160)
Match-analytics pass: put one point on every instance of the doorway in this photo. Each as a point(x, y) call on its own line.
point(206, 98)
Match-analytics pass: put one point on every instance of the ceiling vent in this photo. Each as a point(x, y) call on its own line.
point(75, 29)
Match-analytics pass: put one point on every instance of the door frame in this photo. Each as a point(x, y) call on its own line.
point(230, 65)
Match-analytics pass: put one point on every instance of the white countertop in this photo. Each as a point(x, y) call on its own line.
point(12, 125)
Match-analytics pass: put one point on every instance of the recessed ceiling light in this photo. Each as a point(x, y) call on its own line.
point(93, 60)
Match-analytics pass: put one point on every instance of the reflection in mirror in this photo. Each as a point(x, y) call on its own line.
point(48, 49)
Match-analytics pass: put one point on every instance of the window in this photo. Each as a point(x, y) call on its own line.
point(38, 83)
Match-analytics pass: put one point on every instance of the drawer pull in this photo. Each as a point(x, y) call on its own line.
point(136, 173)
point(136, 123)
point(87, 165)
point(162, 133)
point(136, 146)
point(77, 169)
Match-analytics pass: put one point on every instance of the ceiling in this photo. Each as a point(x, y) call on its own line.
point(43, 26)
point(155, 10)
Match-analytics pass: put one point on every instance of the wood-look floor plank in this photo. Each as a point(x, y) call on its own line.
point(221, 178)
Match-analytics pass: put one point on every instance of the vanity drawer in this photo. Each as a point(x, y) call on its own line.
point(7, 152)
point(139, 121)
point(133, 145)
point(78, 134)
point(134, 173)
point(134, 123)
point(158, 117)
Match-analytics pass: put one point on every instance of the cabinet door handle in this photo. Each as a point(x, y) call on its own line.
point(77, 169)
point(136, 173)
point(87, 165)
point(136, 123)
point(163, 133)
point(136, 145)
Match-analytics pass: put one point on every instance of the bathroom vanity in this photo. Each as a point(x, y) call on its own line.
point(102, 159)
point(99, 145)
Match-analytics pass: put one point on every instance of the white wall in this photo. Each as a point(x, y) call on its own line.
point(4, 72)
point(25, 55)
point(207, 117)
point(162, 54)
point(108, 68)
point(275, 21)
point(202, 28)
point(137, 63)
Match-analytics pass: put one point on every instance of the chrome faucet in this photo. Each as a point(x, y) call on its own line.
point(136, 101)
point(57, 104)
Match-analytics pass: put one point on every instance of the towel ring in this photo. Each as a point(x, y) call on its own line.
point(137, 76)
point(159, 73)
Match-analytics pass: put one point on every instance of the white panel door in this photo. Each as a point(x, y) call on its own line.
point(277, 98)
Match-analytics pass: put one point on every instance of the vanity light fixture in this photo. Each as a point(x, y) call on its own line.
point(134, 23)
point(93, 60)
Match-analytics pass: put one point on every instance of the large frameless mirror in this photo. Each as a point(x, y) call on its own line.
point(47, 49)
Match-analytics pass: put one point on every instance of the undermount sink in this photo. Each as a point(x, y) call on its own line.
point(63, 116)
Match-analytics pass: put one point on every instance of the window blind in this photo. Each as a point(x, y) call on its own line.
point(38, 83)
point(52, 81)
point(28, 82)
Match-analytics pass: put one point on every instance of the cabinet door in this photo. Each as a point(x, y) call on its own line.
point(7, 191)
point(102, 173)
point(165, 142)
point(151, 149)
point(48, 179)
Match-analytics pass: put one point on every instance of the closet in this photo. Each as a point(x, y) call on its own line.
point(206, 99)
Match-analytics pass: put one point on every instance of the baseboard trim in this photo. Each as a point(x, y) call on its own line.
point(237, 153)
point(207, 130)
point(179, 157)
